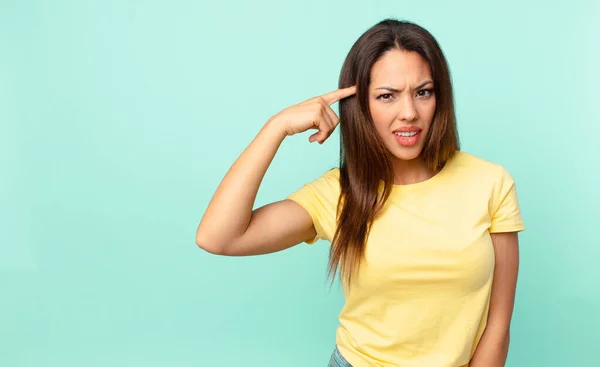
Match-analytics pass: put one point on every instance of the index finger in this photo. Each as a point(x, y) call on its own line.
point(338, 94)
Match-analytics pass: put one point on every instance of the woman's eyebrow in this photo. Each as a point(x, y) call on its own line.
point(396, 90)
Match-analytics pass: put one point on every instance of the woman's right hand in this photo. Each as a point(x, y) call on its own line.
point(314, 113)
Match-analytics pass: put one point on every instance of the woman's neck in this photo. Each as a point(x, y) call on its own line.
point(411, 172)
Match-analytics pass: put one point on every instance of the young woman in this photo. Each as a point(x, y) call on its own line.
point(424, 235)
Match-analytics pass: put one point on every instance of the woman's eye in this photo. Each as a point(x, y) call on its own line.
point(385, 96)
point(427, 93)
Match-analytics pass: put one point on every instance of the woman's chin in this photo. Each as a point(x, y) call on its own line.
point(406, 154)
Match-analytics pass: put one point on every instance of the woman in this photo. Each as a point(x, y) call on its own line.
point(424, 235)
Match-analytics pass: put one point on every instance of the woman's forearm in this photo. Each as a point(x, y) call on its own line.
point(492, 350)
point(230, 209)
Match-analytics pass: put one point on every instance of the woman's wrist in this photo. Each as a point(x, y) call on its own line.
point(275, 128)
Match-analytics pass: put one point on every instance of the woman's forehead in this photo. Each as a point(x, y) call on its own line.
point(400, 67)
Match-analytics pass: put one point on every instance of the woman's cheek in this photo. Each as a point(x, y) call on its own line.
point(381, 115)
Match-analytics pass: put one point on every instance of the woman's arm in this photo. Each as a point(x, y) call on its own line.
point(492, 349)
point(229, 213)
point(230, 226)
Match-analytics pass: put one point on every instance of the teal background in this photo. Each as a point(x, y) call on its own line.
point(120, 118)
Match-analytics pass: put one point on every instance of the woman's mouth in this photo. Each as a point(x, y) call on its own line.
point(407, 138)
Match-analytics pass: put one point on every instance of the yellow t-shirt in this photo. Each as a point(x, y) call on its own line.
point(422, 295)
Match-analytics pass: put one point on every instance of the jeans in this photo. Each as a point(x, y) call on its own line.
point(337, 360)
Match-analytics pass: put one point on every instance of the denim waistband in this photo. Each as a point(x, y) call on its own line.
point(337, 360)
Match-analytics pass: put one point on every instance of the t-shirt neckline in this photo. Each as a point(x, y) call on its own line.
point(430, 181)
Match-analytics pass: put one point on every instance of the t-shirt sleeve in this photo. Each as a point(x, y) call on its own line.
point(319, 198)
point(504, 206)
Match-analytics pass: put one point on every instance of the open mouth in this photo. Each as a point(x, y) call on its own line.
point(407, 138)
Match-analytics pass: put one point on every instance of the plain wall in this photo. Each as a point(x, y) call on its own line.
point(118, 119)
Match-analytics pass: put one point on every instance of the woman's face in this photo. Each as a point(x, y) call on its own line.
point(402, 102)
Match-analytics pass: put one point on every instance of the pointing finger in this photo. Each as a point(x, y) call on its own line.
point(338, 94)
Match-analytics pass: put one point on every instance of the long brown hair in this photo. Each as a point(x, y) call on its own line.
point(364, 159)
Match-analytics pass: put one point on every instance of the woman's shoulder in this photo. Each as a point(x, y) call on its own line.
point(333, 174)
point(479, 169)
point(321, 192)
point(331, 179)
point(473, 162)
point(326, 181)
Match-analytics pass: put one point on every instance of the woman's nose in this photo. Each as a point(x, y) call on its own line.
point(407, 110)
